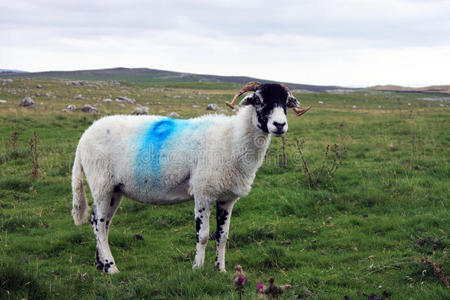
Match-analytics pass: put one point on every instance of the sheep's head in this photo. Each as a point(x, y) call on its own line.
point(271, 102)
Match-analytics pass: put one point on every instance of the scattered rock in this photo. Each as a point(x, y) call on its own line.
point(89, 109)
point(320, 102)
point(212, 106)
point(195, 106)
point(107, 100)
point(173, 115)
point(39, 86)
point(6, 81)
point(125, 99)
point(27, 102)
point(114, 83)
point(3, 101)
point(69, 108)
point(77, 83)
point(354, 106)
point(140, 110)
point(79, 97)
point(176, 97)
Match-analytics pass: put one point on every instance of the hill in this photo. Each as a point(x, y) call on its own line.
point(145, 75)
point(435, 89)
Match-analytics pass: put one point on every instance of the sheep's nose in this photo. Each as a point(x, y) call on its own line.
point(279, 126)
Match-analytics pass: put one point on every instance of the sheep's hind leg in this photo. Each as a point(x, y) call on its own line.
point(104, 208)
point(202, 213)
point(223, 216)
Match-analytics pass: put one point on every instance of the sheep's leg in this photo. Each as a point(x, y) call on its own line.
point(223, 216)
point(103, 212)
point(202, 213)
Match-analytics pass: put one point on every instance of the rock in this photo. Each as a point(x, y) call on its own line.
point(48, 94)
point(6, 81)
point(121, 105)
point(27, 102)
point(39, 86)
point(125, 99)
point(114, 83)
point(173, 115)
point(89, 109)
point(3, 101)
point(176, 97)
point(79, 97)
point(320, 102)
point(140, 110)
point(212, 106)
point(107, 100)
point(354, 106)
point(195, 106)
point(69, 108)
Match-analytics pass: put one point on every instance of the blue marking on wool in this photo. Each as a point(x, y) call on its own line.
point(153, 146)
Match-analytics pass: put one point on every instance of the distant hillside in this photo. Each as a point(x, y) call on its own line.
point(8, 71)
point(144, 75)
point(440, 89)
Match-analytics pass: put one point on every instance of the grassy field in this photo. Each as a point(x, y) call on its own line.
point(362, 231)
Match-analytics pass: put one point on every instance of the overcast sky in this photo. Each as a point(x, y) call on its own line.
point(344, 42)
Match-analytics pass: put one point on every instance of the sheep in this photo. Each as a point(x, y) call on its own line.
point(159, 160)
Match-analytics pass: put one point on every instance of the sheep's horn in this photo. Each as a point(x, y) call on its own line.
point(300, 112)
point(248, 87)
point(297, 111)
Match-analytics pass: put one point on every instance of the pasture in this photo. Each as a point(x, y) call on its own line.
point(361, 231)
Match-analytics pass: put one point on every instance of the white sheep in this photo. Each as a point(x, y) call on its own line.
point(158, 160)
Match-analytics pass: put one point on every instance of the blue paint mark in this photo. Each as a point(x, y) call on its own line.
point(153, 146)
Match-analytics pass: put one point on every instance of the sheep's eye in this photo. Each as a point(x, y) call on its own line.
point(257, 101)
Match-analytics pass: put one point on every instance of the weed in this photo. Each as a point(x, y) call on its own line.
point(332, 160)
point(34, 155)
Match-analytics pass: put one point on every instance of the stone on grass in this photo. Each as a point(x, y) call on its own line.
point(140, 110)
point(79, 97)
point(39, 86)
point(125, 99)
point(212, 106)
point(3, 101)
point(70, 108)
point(173, 115)
point(107, 100)
point(89, 109)
point(27, 102)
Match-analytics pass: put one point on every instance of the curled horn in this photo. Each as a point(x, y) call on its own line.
point(296, 110)
point(248, 87)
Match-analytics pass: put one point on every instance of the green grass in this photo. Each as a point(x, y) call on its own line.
point(362, 232)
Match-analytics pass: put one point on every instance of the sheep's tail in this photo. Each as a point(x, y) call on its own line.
point(80, 206)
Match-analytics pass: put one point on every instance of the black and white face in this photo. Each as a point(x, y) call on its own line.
point(271, 102)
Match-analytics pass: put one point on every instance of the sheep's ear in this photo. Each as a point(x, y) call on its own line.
point(292, 102)
point(248, 100)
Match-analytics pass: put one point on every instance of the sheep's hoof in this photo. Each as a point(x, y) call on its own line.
point(113, 270)
point(197, 266)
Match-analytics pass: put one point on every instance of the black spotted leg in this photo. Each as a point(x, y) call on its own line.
point(223, 216)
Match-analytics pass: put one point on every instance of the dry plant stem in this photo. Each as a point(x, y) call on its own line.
point(34, 155)
point(305, 164)
point(437, 270)
point(14, 139)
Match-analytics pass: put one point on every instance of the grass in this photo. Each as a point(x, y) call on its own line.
point(362, 232)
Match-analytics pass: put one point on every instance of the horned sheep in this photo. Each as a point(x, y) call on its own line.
point(159, 160)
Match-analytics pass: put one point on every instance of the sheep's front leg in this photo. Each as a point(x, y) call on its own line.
point(223, 216)
point(202, 213)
